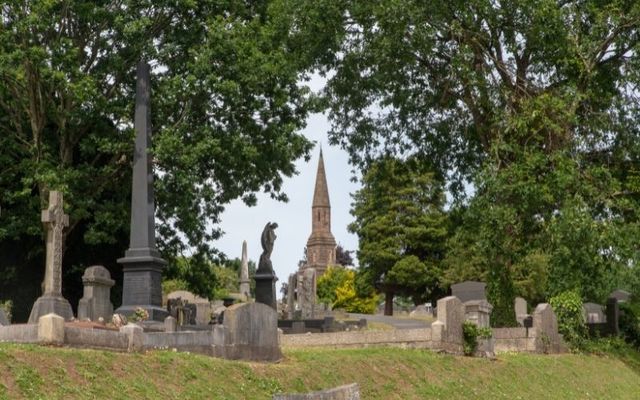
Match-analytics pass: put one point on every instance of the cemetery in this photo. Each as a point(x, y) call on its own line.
point(482, 242)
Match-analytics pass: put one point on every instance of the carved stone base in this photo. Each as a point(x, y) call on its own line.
point(266, 289)
point(47, 304)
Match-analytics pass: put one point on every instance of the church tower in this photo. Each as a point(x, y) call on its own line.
point(321, 246)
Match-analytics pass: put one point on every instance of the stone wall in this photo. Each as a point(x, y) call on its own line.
point(345, 392)
point(415, 338)
point(543, 337)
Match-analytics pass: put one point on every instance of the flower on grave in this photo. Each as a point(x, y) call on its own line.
point(140, 315)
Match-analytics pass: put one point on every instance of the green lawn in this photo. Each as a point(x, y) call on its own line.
point(33, 372)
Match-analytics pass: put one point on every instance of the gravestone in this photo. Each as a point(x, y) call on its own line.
point(203, 309)
point(252, 332)
point(4, 321)
point(420, 311)
point(520, 306)
point(593, 313)
point(448, 328)
point(307, 292)
point(245, 288)
point(620, 295)
point(548, 339)
point(469, 290)
point(291, 294)
point(52, 301)
point(265, 276)
point(612, 311)
point(96, 300)
point(142, 264)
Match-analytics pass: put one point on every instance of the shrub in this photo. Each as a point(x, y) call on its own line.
point(7, 306)
point(571, 324)
point(470, 333)
point(629, 323)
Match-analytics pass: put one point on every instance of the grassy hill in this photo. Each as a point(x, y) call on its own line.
point(34, 372)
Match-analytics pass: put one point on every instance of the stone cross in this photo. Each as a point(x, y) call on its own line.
point(55, 220)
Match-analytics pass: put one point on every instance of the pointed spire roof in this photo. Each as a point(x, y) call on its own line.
point(321, 192)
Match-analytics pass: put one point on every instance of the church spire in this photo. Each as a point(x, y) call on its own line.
point(321, 193)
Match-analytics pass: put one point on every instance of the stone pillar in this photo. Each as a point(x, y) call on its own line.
point(142, 265)
point(291, 295)
point(245, 289)
point(478, 312)
point(96, 300)
point(52, 301)
point(307, 292)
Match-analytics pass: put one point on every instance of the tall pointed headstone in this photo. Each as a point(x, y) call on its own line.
point(245, 288)
point(142, 265)
point(52, 301)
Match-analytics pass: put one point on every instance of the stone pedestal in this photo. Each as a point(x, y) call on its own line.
point(50, 304)
point(142, 284)
point(266, 288)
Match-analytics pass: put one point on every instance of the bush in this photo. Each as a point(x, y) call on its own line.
point(629, 323)
point(470, 333)
point(571, 324)
point(7, 306)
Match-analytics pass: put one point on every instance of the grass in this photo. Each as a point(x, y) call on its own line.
point(33, 372)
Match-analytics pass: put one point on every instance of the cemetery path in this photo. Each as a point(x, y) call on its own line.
point(397, 322)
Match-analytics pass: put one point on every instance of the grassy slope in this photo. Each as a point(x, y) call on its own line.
point(383, 373)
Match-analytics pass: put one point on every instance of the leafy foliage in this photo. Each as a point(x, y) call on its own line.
point(629, 323)
point(470, 334)
point(337, 288)
point(401, 229)
point(571, 324)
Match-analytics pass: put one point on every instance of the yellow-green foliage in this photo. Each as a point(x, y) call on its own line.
point(337, 287)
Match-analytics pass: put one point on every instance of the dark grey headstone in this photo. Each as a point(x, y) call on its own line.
point(469, 290)
point(142, 265)
point(620, 295)
point(612, 311)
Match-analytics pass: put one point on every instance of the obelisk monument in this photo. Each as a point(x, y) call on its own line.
point(142, 264)
point(52, 301)
point(245, 288)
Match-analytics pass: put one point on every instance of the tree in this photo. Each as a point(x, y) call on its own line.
point(343, 257)
point(534, 103)
point(327, 284)
point(336, 287)
point(402, 228)
point(226, 107)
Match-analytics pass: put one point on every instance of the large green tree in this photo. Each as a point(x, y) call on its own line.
point(227, 106)
point(402, 228)
point(535, 103)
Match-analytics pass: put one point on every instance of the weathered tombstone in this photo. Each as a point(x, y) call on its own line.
point(520, 306)
point(469, 290)
point(4, 321)
point(420, 311)
point(448, 328)
point(593, 313)
point(478, 312)
point(291, 294)
point(203, 309)
point(96, 300)
point(245, 289)
point(620, 295)
point(142, 264)
point(170, 324)
point(52, 301)
point(307, 292)
point(265, 277)
point(548, 339)
point(253, 332)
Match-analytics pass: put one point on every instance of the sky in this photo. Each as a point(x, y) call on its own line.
point(241, 222)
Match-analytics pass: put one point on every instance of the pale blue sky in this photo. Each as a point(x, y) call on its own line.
point(240, 222)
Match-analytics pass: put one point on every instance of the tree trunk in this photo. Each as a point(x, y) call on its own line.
point(388, 303)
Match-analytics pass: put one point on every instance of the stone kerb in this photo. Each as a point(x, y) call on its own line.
point(447, 330)
point(345, 392)
point(545, 323)
point(51, 329)
point(96, 300)
point(252, 332)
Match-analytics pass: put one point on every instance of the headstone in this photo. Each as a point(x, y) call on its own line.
point(4, 321)
point(593, 313)
point(253, 330)
point(346, 392)
point(420, 311)
point(307, 292)
point(142, 264)
point(546, 324)
point(469, 290)
point(451, 316)
point(291, 294)
point(612, 311)
point(203, 309)
point(520, 306)
point(245, 289)
point(620, 295)
point(52, 301)
point(265, 277)
point(478, 312)
point(96, 300)
point(170, 324)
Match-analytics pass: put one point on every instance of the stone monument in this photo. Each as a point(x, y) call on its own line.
point(307, 292)
point(96, 300)
point(245, 289)
point(52, 301)
point(265, 277)
point(142, 265)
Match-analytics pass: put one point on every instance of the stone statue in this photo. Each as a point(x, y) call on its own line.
point(267, 239)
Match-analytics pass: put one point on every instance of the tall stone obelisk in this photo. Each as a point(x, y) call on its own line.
point(245, 288)
point(142, 264)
